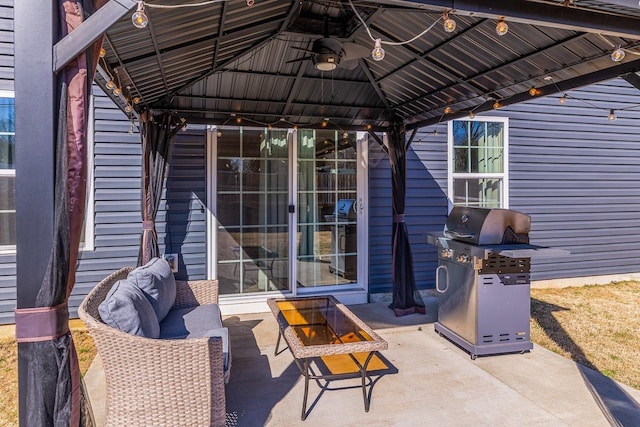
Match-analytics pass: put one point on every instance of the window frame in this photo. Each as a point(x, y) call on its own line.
point(502, 176)
point(89, 233)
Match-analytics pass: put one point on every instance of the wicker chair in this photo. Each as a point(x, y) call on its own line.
point(158, 382)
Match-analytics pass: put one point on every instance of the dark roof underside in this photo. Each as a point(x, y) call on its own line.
point(215, 63)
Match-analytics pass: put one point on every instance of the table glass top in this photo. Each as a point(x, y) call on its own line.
point(319, 321)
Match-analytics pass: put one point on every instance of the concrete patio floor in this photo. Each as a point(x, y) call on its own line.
point(431, 383)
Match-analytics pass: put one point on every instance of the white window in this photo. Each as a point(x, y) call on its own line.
point(8, 177)
point(7, 173)
point(478, 162)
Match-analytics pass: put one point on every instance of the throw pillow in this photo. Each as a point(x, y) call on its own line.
point(127, 308)
point(156, 280)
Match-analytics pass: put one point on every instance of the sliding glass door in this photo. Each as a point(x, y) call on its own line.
point(288, 212)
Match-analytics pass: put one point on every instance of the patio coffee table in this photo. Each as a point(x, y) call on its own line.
point(322, 329)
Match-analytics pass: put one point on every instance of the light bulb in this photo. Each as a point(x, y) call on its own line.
point(533, 91)
point(219, 133)
point(448, 23)
point(618, 54)
point(238, 119)
point(102, 52)
point(447, 110)
point(612, 115)
point(435, 132)
point(136, 100)
point(345, 135)
point(128, 108)
point(111, 84)
point(502, 28)
point(563, 99)
point(250, 3)
point(117, 91)
point(471, 114)
point(496, 105)
point(378, 52)
point(139, 18)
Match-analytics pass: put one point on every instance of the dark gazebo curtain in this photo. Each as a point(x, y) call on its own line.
point(406, 298)
point(54, 389)
point(156, 134)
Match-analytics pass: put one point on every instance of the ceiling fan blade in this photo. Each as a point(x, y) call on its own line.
point(304, 58)
point(304, 49)
point(350, 64)
point(354, 51)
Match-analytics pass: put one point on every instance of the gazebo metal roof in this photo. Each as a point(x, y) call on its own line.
point(222, 61)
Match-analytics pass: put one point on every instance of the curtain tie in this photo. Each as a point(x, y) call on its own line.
point(397, 218)
point(42, 323)
point(148, 225)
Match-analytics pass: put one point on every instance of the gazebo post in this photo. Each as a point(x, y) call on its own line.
point(36, 31)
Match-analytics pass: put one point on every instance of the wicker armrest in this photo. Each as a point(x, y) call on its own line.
point(196, 292)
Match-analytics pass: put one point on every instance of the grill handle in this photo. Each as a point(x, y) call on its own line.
point(460, 235)
point(446, 282)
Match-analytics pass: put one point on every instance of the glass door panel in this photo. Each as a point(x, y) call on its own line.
point(252, 211)
point(326, 237)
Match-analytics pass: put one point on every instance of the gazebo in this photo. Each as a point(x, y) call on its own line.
point(378, 66)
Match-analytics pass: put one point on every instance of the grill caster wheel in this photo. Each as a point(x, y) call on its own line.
point(474, 356)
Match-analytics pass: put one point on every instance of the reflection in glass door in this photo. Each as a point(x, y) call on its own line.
point(326, 237)
point(252, 190)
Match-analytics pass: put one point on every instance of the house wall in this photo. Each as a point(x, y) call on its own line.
point(576, 173)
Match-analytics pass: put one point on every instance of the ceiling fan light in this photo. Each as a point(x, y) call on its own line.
point(378, 52)
point(326, 66)
point(502, 28)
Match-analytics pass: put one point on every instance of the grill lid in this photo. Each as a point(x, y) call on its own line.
point(482, 226)
point(347, 208)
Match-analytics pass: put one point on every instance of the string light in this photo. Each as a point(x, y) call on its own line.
point(472, 114)
point(139, 18)
point(502, 28)
point(497, 105)
point(533, 91)
point(136, 100)
point(117, 91)
point(618, 54)
point(250, 3)
point(563, 99)
point(111, 84)
point(612, 115)
point(378, 52)
point(219, 133)
point(102, 52)
point(448, 23)
point(128, 108)
point(447, 110)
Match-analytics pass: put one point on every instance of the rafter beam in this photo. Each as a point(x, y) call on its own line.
point(289, 102)
point(90, 30)
point(294, 89)
point(223, 19)
point(563, 86)
point(633, 79)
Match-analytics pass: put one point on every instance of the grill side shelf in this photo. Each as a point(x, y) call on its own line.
point(512, 250)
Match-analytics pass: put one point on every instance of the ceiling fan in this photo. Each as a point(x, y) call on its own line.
point(327, 53)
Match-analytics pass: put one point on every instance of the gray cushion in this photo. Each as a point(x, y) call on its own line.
point(128, 309)
point(156, 280)
point(196, 322)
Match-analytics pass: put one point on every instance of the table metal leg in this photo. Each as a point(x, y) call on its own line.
point(363, 371)
point(306, 389)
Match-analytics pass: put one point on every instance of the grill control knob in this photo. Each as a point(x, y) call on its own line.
point(446, 253)
point(462, 258)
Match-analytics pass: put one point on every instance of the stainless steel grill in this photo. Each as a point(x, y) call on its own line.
point(483, 279)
